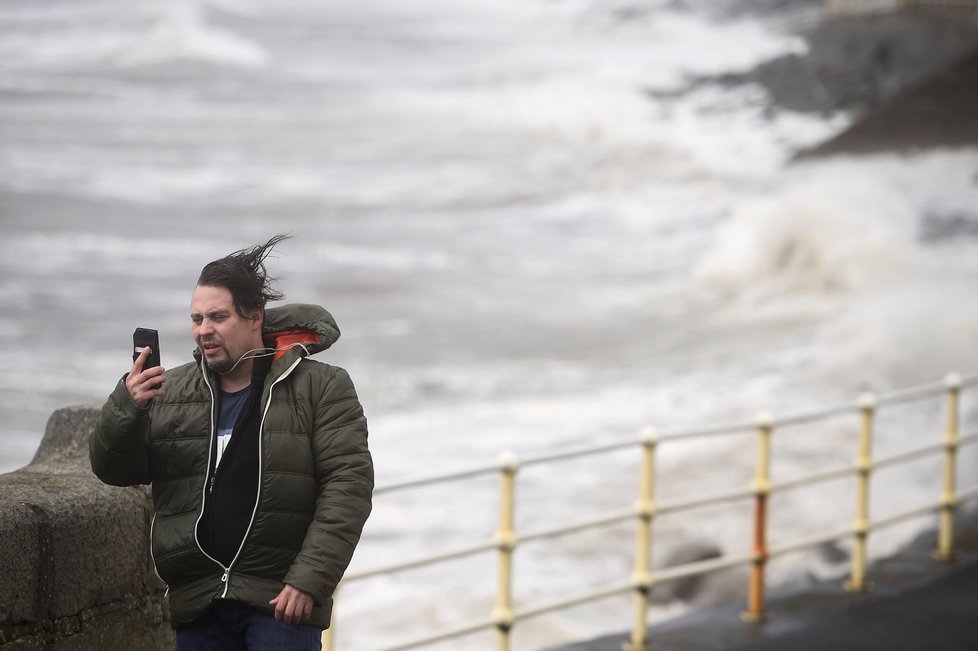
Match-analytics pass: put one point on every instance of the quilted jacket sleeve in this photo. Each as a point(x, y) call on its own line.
point(344, 471)
point(117, 448)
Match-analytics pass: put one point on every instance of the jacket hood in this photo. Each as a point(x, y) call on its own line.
point(310, 326)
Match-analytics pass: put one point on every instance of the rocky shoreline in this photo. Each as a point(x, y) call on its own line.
point(940, 113)
point(858, 63)
point(908, 79)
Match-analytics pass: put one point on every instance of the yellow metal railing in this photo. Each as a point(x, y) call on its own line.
point(506, 615)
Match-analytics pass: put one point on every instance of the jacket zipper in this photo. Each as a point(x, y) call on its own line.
point(254, 510)
point(152, 556)
point(209, 484)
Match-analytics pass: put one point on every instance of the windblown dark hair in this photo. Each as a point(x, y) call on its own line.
point(243, 274)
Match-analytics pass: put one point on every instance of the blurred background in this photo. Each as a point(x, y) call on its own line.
point(538, 223)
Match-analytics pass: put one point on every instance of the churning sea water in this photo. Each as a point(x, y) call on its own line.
point(532, 231)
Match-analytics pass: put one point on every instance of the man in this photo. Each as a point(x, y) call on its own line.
point(258, 461)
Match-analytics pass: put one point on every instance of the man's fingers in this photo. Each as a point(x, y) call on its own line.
point(279, 603)
point(143, 386)
point(140, 361)
point(156, 376)
point(293, 606)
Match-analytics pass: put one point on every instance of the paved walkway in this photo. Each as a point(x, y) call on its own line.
point(941, 615)
point(915, 604)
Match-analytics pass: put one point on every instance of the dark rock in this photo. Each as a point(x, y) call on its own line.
point(703, 589)
point(940, 113)
point(858, 63)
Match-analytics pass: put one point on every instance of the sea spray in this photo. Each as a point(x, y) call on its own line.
point(828, 232)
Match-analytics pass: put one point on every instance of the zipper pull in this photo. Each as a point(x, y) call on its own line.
point(224, 579)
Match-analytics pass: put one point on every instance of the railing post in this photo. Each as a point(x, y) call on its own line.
point(502, 614)
point(642, 577)
point(762, 488)
point(945, 532)
point(864, 467)
point(329, 635)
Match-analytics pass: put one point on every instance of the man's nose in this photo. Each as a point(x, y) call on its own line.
point(205, 328)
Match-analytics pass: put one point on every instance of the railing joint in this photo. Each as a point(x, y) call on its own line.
point(508, 462)
point(864, 466)
point(761, 487)
point(503, 619)
point(645, 510)
point(648, 436)
point(867, 401)
point(643, 581)
point(505, 540)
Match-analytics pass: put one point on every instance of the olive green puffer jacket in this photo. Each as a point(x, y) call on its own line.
point(316, 473)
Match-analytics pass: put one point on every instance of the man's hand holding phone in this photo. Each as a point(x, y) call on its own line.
point(144, 384)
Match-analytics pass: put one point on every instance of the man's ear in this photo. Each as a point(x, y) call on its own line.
point(258, 319)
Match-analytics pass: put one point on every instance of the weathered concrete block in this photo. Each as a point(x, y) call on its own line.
point(19, 540)
point(64, 448)
point(76, 571)
point(89, 541)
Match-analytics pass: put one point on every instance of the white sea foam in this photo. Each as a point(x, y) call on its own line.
point(832, 233)
point(844, 238)
point(181, 33)
point(907, 336)
point(151, 33)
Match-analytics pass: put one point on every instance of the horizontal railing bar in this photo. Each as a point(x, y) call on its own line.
point(805, 543)
point(699, 567)
point(968, 438)
point(897, 518)
point(815, 478)
point(577, 526)
point(968, 494)
point(968, 380)
point(911, 394)
point(733, 428)
point(706, 500)
point(908, 455)
point(580, 452)
point(810, 416)
point(464, 473)
point(451, 634)
point(422, 561)
point(568, 602)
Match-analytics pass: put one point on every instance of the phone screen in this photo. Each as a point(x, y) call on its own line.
point(142, 338)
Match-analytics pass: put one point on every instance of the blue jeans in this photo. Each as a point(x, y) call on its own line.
point(231, 625)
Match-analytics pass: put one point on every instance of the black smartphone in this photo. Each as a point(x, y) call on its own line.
point(143, 337)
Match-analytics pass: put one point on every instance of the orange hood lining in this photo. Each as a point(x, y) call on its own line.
point(283, 340)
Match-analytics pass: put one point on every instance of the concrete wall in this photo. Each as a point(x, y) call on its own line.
point(75, 571)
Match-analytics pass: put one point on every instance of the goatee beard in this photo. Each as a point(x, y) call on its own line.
point(220, 366)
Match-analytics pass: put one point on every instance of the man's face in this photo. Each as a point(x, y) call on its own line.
point(221, 334)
